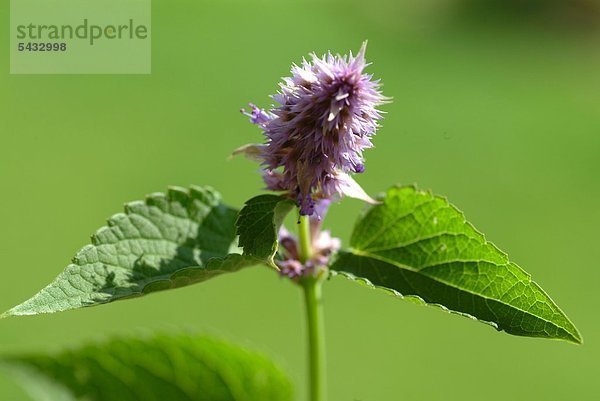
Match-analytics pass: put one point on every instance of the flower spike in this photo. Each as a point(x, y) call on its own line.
point(315, 136)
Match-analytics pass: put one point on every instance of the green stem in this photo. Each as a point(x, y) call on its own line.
point(305, 240)
point(314, 316)
point(316, 336)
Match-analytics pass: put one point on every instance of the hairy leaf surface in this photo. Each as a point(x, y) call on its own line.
point(418, 245)
point(167, 241)
point(159, 368)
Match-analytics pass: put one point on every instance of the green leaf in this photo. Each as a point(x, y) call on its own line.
point(158, 368)
point(418, 245)
point(258, 225)
point(167, 241)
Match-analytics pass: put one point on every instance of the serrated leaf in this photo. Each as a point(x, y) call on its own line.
point(259, 223)
point(162, 367)
point(167, 241)
point(418, 245)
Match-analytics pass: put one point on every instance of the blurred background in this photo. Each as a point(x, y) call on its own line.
point(496, 105)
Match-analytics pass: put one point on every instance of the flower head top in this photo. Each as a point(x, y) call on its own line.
point(316, 135)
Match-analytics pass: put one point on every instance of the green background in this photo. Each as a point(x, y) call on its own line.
point(497, 107)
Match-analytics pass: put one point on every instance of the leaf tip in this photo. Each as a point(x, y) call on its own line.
point(576, 337)
point(570, 337)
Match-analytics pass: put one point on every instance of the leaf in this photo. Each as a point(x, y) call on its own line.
point(162, 367)
point(258, 225)
point(167, 241)
point(420, 246)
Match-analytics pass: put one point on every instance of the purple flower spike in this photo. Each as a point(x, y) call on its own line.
point(316, 135)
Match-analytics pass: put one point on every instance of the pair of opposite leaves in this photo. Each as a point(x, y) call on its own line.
point(413, 245)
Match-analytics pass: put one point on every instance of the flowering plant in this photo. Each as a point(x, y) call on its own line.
point(409, 243)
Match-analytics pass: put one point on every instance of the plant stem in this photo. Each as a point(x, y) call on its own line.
point(305, 240)
point(316, 336)
point(312, 286)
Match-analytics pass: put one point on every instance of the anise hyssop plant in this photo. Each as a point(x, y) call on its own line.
point(409, 243)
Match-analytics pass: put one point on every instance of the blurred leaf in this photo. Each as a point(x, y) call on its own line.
point(259, 223)
point(420, 246)
point(167, 241)
point(163, 367)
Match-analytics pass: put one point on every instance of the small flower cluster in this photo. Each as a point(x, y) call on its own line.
point(316, 135)
point(323, 245)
